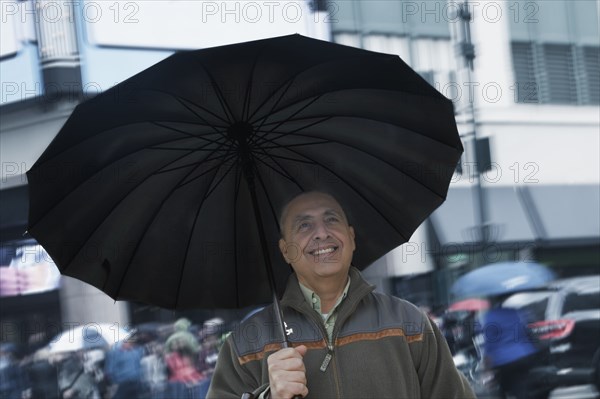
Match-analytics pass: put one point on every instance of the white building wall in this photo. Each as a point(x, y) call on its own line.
point(24, 135)
point(530, 143)
point(83, 304)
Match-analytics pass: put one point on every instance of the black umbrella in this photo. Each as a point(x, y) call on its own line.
point(166, 188)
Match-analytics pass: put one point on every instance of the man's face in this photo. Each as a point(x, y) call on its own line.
point(317, 240)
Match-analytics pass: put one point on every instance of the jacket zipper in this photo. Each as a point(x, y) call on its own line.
point(330, 351)
point(330, 348)
point(329, 356)
point(327, 359)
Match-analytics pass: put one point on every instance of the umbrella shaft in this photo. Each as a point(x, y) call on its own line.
point(249, 175)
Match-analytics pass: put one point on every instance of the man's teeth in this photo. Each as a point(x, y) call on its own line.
point(324, 251)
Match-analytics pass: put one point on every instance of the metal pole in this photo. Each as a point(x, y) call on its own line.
point(239, 133)
point(248, 166)
point(468, 52)
point(249, 174)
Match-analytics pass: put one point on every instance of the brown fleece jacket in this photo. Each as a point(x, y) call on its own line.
point(383, 347)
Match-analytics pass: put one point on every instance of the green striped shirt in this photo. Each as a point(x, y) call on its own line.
point(328, 318)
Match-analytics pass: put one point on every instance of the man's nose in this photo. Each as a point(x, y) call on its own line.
point(321, 232)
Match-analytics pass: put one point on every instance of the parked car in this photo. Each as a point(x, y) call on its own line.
point(565, 318)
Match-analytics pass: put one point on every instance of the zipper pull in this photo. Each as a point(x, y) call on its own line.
point(327, 359)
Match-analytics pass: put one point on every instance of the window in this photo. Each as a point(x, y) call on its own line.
point(580, 301)
point(560, 87)
point(556, 73)
point(591, 71)
point(524, 66)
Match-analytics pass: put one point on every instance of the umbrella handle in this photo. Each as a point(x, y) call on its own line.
point(249, 395)
point(249, 174)
point(285, 344)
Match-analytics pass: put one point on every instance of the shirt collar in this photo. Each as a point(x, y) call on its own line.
point(313, 299)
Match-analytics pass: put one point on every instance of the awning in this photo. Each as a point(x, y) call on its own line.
point(521, 214)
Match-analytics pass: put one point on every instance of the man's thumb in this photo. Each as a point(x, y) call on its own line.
point(301, 349)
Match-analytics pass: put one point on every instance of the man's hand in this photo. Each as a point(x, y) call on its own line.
point(287, 375)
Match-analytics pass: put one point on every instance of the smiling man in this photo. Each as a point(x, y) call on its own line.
point(348, 341)
point(318, 243)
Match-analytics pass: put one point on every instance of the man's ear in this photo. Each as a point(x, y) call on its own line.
point(352, 235)
point(283, 247)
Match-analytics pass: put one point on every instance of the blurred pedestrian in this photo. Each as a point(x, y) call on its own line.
point(73, 381)
point(509, 348)
point(14, 383)
point(182, 337)
point(212, 331)
point(153, 365)
point(181, 351)
point(43, 376)
point(212, 334)
point(123, 368)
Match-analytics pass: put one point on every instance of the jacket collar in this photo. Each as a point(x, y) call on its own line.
point(294, 298)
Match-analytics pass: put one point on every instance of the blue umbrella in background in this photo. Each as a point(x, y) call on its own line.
point(502, 278)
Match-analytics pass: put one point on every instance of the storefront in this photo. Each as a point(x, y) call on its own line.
point(29, 281)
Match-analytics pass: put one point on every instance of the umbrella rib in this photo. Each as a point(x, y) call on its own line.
point(190, 135)
point(219, 96)
point(274, 105)
point(246, 106)
point(145, 230)
point(258, 141)
point(277, 146)
point(114, 207)
point(360, 150)
point(118, 159)
point(176, 149)
point(332, 140)
point(273, 110)
point(220, 179)
point(230, 156)
point(282, 172)
point(258, 54)
point(262, 184)
point(208, 159)
point(187, 251)
point(290, 81)
point(326, 117)
point(264, 133)
point(235, 252)
point(183, 99)
point(124, 125)
point(351, 187)
point(289, 158)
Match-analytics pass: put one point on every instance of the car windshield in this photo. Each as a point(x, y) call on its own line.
point(578, 301)
point(532, 304)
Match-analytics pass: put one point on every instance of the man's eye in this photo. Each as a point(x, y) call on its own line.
point(303, 226)
point(331, 219)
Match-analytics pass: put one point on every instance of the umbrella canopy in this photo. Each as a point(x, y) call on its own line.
point(96, 335)
point(151, 189)
point(502, 278)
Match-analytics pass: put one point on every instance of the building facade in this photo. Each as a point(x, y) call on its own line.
point(530, 100)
